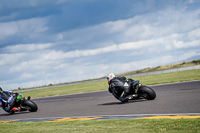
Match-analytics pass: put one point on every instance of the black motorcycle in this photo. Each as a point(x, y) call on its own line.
point(25, 104)
point(138, 91)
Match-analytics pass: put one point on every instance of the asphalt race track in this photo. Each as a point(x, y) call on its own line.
point(171, 99)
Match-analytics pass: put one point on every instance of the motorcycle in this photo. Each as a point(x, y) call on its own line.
point(138, 91)
point(25, 104)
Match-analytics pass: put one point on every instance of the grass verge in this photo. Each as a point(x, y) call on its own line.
point(105, 126)
point(180, 76)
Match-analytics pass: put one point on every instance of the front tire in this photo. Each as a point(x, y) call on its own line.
point(31, 105)
point(147, 93)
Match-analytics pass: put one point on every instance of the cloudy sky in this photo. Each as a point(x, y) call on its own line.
point(56, 41)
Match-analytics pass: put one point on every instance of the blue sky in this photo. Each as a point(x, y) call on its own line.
point(56, 41)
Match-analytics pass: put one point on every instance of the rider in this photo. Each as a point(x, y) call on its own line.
point(7, 100)
point(120, 87)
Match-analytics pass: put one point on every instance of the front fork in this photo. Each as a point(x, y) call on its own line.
point(137, 87)
point(135, 95)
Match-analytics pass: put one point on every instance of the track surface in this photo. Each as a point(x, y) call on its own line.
point(171, 98)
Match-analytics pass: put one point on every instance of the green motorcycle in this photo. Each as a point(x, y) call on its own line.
point(25, 104)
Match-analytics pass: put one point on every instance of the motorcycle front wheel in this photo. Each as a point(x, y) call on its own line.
point(147, 93)
point(32, 107)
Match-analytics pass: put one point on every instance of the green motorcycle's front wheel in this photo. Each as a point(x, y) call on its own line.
point(32, 107)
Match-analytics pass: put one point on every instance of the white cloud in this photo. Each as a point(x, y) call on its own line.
point(26, 76)
point(7, 59)
point(118, 26)
point(54, 55)
point(181, 44)
point(49, 56)
point(27, 47)
point(190, 1)
point(8, 29)
point(23, 27)
point(34, 64)
point(194, 34)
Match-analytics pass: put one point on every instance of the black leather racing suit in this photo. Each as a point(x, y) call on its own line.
point(120, 88)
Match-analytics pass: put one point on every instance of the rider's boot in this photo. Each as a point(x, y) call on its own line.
point(7, 109)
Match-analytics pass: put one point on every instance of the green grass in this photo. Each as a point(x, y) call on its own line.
point(188, 75)
point(106, 126)
point(68, 89)
point(172, 77)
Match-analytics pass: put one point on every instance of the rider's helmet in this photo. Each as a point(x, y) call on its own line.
point(110, 76)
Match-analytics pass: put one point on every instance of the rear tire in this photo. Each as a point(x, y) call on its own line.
point(31, 105)
point(147, 93)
